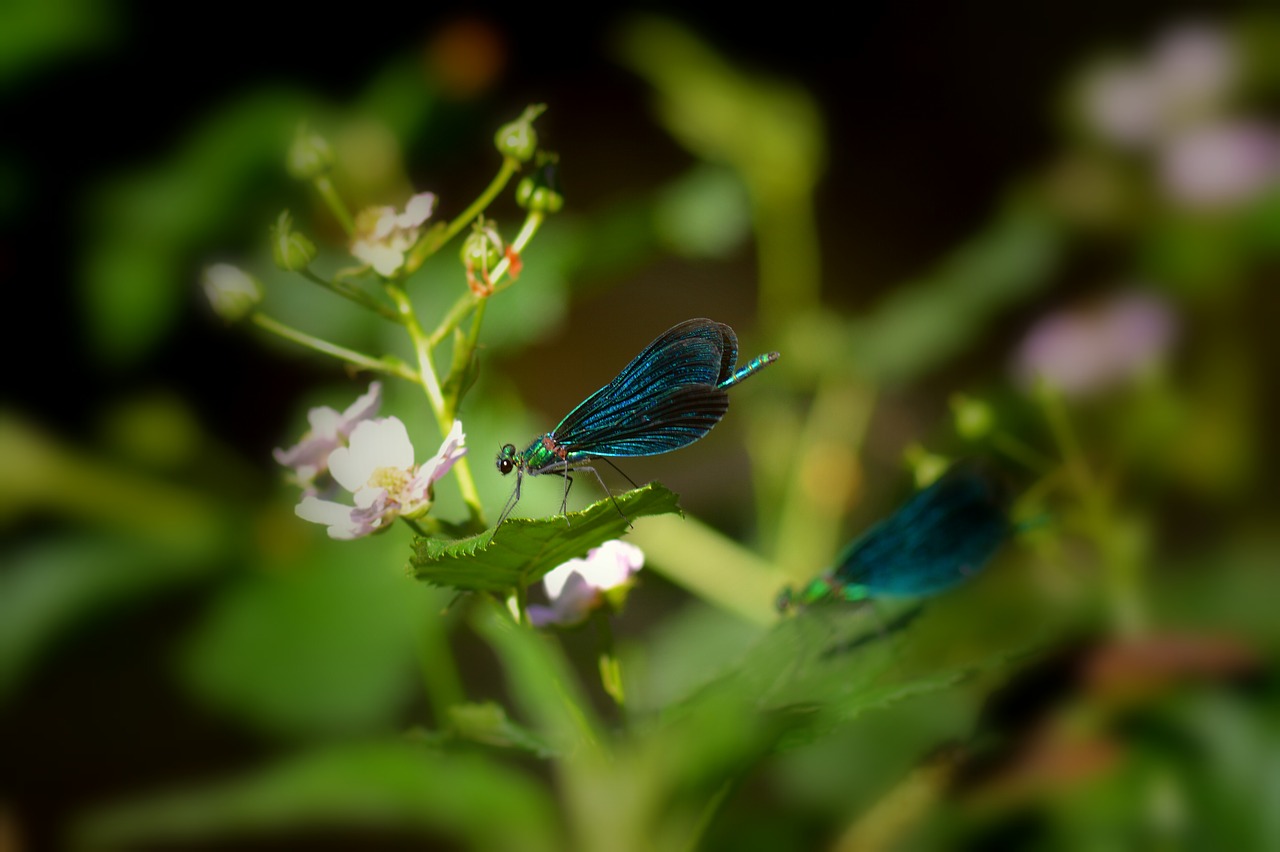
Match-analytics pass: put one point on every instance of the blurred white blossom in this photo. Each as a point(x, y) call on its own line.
point(383, 235)
point(1188, 76)
point(1221, 164)
point(231, 291)
point(1089, 350)
point(578, 586)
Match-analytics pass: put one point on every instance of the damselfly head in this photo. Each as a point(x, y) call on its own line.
point(506, 461)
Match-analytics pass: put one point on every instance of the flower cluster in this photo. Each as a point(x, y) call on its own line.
point(370, 457)
point(581, 585)
point(383, 235)
point(1178, 103)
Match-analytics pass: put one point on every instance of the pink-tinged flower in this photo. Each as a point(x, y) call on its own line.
point(1221, 165)
point(377, 468)
point(579, 586)
point(1084, 351)
point(1188, 75)
point(330, 429)
point(1197, 65)
point(383, 235)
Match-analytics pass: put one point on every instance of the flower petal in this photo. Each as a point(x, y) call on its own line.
point(365, 406)
point(383, 442)
point(337, 517)
point(612, 564)
point(575, 601)
point(434, 468)
point(417, 210)
point(385, 260)
point(310, 456)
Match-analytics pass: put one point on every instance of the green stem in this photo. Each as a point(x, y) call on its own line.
point(355, 294)
point(509, 167)
point(522, 607)
point(391, 366)
point(422, 351)
point(610, 670)
point(530, 227)
point(1123, 572)
point(337, 207)
point(454, 317)
point(430, 382)
point(1021, 452)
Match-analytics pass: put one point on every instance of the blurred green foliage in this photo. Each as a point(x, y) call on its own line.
point(1108, 681)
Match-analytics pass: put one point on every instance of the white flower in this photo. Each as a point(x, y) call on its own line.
point(329, 430)
point(383, 235)
point(1188, 75)
point(579, 585)
point(1085, 351)
point(377, 468)
point(1221, 164)
point(232, 291)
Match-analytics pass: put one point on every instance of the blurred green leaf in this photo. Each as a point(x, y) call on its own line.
point(1232, 772)
point(770, 130)
point(379, 787)
point(41, 32)
point(524, 549)
point(140, 265)
point(322, 646)
point(1194, 255)
point(51, 587)
point(661, 671)
point(542, 683)
point(43, 474)
point(487, 723)
point(704, 213)
point(712, 566)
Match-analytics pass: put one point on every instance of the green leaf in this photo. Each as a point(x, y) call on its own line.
point(487, 723)
point(39, 34)
point(322, 646)
point(542, 683)
point(380, 786)
point(50, 587)
point(524, 549)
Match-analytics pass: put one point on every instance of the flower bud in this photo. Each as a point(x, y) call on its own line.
point(291, 249)
point(310, 155)
point(974, 418)
point(232, 291)
point(925, 466)
point(482, 249)
point(540, 191)
point(518, 139)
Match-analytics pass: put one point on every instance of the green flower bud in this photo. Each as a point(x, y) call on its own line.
point(232, 291)
point(482, 249)
point(290, 249)
point(540, 191)
point(310, 155)
point(974, 418)
point(518, 139)
point(925, 466)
